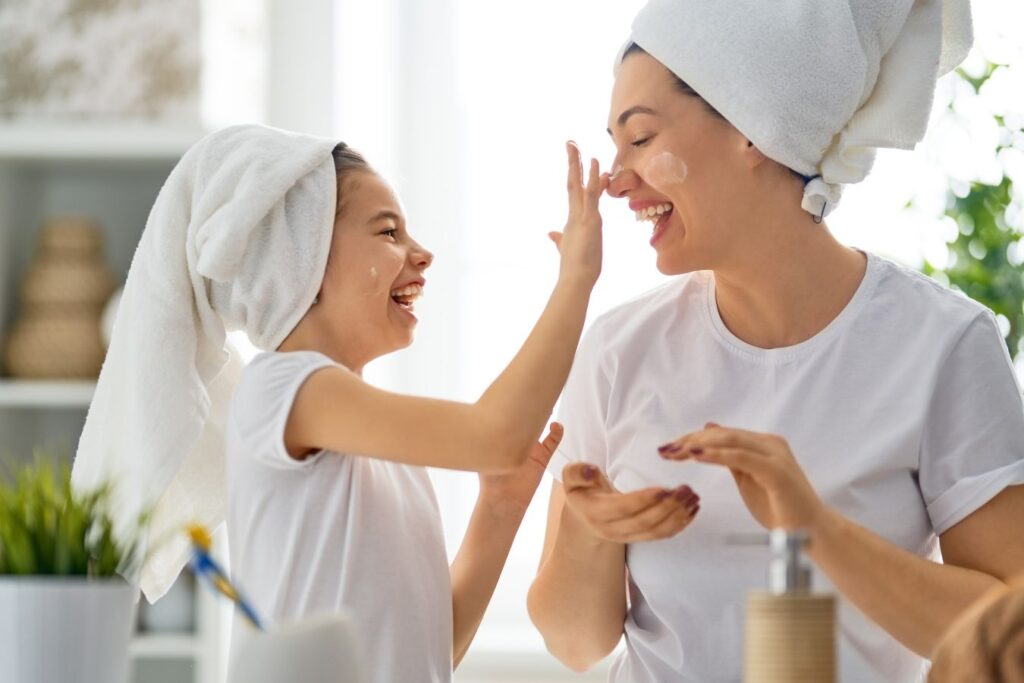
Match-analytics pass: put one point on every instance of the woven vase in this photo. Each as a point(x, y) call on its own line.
point(62, 299)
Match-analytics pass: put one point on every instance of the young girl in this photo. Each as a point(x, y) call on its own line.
point(329, 507)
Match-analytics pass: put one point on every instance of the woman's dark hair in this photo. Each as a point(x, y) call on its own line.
point(681, 85)
point(684, 88)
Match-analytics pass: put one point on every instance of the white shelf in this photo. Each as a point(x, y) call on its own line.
point(127, 141)
point(165, 646)
point(45, 394)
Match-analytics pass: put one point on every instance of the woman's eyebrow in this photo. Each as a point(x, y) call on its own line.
point(624, 116)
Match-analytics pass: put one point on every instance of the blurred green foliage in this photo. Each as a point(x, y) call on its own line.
point(985, 256)
point(47, 529)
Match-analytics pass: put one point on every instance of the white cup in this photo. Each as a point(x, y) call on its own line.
point(321, 649)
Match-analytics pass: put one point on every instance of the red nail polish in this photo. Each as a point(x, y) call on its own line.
point(696, 451)
point(588, 472)
point(662, 495)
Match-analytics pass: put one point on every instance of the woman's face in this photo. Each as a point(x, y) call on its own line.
point(650, 116)
point(374, 273)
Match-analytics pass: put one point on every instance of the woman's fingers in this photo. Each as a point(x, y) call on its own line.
point(715, 436)
point(654, 517)
point(672, 525)
point(584, 476)
point(757, 465)
point(606, 508)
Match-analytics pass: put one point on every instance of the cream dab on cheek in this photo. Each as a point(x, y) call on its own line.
point(665, 170)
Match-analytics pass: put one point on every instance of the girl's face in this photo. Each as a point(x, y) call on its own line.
point(374, 272)
point(650, 116)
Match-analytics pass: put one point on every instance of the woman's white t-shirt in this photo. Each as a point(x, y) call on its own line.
point(335, 532)
point(904, 412)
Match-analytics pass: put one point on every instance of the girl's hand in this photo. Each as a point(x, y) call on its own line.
point(580, 243)
point(770, 480)
point(645, 515)
point(511, 492)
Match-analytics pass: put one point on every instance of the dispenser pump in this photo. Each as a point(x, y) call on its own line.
point(789, 571)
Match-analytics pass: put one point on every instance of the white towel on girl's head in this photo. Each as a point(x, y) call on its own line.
point(817, 85)
point(237, 240)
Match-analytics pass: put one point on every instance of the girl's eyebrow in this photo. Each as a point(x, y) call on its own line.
point(386, 214)
point(624, 116)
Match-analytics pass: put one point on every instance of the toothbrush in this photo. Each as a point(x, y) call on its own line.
point(207, 569)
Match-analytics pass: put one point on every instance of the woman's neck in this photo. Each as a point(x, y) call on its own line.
point(792, 279)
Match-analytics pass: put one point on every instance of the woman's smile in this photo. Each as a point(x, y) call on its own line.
point(657, 212)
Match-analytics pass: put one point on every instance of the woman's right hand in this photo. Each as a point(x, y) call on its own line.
point(580, 243)
point(645, 515)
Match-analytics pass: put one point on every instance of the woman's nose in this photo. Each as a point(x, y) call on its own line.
point(621, 181)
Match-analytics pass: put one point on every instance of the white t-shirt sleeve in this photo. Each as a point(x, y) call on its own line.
point(263, 401)
point(973, 441)
point(583, 407)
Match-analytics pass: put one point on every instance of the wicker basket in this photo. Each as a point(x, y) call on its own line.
point(62, 296)
point(55, 347)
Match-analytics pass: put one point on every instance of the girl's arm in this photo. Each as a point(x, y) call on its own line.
point(337, 410)
point(499, 511)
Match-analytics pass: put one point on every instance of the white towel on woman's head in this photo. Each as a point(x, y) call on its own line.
point(237, 239)
point(817, 85)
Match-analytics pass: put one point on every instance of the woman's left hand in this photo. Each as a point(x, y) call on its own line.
point(511, 492)
point(770, 480)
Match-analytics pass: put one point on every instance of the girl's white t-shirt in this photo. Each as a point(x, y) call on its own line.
point(335, 533)
point(904, 412)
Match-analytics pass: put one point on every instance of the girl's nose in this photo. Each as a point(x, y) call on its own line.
point(421, 257)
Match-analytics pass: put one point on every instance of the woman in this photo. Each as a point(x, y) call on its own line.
point(788, 380)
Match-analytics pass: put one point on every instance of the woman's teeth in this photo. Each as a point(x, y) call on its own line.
point(406, 296)
point(653, 213)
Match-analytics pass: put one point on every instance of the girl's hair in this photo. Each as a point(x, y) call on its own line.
point(681, 85)
point(347, 160)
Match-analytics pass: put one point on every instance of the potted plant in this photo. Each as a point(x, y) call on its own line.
point(65, 613)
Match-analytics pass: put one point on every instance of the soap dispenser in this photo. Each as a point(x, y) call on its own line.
point(790, 630)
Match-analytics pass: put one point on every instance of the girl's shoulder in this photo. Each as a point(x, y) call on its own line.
point(273, 375)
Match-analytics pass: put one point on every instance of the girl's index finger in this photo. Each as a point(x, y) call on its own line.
point(575, 179)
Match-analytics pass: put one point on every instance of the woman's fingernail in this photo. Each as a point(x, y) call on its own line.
point(662, 495)
point(683, 495)
point(696, 451)
point(588, 472)
point(668, 448)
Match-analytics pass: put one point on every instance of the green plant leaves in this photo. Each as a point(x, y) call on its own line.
point(47, 529)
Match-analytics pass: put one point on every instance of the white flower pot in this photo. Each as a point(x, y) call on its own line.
point(60, 629)
point(321, 649)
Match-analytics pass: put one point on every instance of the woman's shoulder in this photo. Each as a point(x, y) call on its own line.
point(921, 300)
point(655, 301)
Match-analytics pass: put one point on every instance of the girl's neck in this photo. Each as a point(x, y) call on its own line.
point(790, 281)
point(302, 339)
